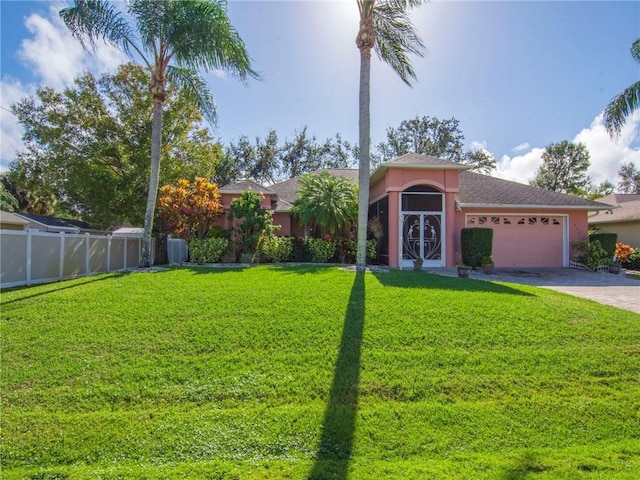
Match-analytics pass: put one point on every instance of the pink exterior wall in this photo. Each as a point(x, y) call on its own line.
point(395, 182)
point(226, 199)
point(284, 220)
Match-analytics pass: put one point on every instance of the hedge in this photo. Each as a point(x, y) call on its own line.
point(476, 243)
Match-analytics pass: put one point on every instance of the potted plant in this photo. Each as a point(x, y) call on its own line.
point(487, 265)
point(464, 270)
point(417, 263)
point(615, 267)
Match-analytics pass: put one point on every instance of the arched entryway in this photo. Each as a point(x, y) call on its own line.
point(422, 226)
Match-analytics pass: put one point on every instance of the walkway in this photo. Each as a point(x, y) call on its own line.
point(606, 288)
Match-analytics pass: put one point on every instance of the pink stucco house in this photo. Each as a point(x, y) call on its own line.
point(424, 202)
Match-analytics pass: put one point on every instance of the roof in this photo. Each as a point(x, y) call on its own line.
point(477, 190)
point(9, 218)
point(60, 224)
point(418, 162)
point(287, 190)
point(627, 209)
point(242, 186)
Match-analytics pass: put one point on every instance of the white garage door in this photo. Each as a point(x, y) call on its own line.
point(524, 241)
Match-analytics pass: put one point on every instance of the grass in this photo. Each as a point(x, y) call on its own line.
point(314, 372)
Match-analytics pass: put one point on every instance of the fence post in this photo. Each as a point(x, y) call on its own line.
point(86, 254)
point(109, 253)
point(61, 269)
point(28, 266)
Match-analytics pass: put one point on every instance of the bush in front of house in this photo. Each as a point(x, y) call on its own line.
point(208, 250)
point(591, 254)
point(607, 242)
point(320, 251)
point(476, 243)
point(276, 249)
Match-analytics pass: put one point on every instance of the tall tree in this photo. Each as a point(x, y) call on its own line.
point(384, 27)
point(433, 136)
point(88, 147)
point(174, 39)
point(629, 178)
point(564, 168)
point(617, 112)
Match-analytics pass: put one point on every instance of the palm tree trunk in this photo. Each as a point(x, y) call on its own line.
point(154, 179)
point(364, 162)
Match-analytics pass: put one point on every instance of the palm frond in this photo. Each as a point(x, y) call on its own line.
point(91, 20)
point(635, 50)
point(396, 37)
point(195, 88)
point(201, 36)
point(620, 108)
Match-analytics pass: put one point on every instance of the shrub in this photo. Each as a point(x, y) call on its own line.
point(217, 231)
point(300, 250)
point(476, 243)
point(277, 249)
point(320, 250)
point(591, 254)
point(633, 262)
point(208, 250)
point(623, 252)
point(347, 250)
point(607, 242)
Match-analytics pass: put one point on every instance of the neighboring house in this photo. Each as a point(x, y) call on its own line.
point(623, 219)
point(48, 224)
point(129, 232)
point(11, 221)
point(424, 202)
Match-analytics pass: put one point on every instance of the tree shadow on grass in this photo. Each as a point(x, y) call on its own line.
point(58, 286)
point(429, 281)
point(339, 424)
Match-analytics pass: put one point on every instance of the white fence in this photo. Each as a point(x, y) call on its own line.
point(30, 257)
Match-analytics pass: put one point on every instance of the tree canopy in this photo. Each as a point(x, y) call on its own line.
point(564, 168)
point(432, 136)
point(88, 147)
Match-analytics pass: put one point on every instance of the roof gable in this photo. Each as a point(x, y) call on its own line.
point(626, 209)
point(242, 186)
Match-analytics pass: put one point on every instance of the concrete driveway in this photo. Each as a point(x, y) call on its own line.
point(616, 290)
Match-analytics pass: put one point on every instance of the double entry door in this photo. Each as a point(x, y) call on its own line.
point(422, 237)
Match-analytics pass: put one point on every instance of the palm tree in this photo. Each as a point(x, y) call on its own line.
point(174, 39)
point(624, 104)
point(384, 27)
point(328, 202)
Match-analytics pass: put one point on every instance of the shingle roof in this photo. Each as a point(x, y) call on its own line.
point(475, 190)
point(242, 186)
point(628, 209)
point(478, 190)
point(287, 190)
point(62, 223)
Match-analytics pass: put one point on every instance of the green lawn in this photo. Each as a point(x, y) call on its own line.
point(315, 372)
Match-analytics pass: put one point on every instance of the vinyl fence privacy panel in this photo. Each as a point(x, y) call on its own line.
point(98, 254)
point(45, 257)
point(29, 257)
point(13, 261)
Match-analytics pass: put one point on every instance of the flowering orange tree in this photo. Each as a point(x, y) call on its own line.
point(189, 209)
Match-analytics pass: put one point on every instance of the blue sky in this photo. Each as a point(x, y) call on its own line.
point(517, 75)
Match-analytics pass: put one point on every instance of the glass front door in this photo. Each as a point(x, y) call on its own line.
point(422, 237)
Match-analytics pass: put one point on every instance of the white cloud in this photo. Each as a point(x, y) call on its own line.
point(606, 155)
point(10, 131)
point(476, 145)
point(520, 168)
point(522, 147)
point(56, 59)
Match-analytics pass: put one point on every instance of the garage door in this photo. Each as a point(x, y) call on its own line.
point(524, 241)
